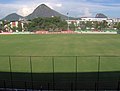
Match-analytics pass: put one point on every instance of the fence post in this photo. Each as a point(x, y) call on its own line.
point(4, 85)
point(76, 73)
point(48, 86)
point(11, 76)
point(41, 88)
point(96, 88)
point(53, 65)
point(118, 85)
point(71, 86)
point(31, 72)
point(98, 76)
point(25, 86)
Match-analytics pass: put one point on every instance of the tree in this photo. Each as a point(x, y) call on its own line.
point(14, 29)
point(89, 24)
point(83, 25)
point(25, 25)
point(97, 25)
point(47, 23)
point(104, 24)
point(1, 25)
point(72, 26)
point(115, 25)
point(118, 26)
point(19, 26)
point(63, 25)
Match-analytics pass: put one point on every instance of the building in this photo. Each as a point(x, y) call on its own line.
point(93, 19)
point(116, 19)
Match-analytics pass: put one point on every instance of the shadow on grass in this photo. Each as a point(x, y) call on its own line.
point(61, 81)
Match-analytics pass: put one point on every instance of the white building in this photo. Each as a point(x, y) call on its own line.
point(92, 19)
point(116, 19)
point(109, 20)
point(14, 24)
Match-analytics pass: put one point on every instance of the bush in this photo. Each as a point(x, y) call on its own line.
point(118, 32)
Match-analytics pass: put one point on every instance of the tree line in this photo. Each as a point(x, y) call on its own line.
point(55, 24)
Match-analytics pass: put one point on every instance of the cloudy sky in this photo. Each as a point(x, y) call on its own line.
point(75, 8)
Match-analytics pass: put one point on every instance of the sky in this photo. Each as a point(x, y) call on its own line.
point(74, 8)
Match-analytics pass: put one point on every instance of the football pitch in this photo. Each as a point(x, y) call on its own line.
point(63, 49)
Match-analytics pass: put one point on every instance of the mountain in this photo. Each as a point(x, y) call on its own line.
point(100, 15)
point(12, 17)
point(44, 11)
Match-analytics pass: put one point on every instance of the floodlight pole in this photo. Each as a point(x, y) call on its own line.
point(68, 21)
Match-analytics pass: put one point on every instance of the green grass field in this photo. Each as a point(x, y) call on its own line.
point(60, 45)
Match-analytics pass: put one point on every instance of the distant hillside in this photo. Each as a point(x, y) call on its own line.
point(44, 11)
point(100, 15)
point(12, 17)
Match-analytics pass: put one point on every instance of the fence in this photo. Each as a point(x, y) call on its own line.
point(60, 72)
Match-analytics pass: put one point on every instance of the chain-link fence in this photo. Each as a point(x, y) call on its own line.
point(60, 72)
